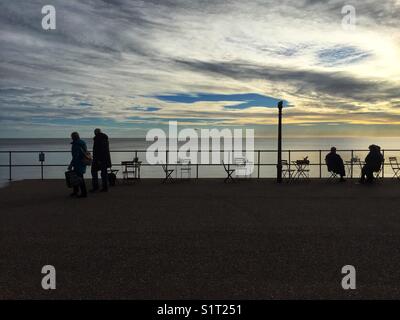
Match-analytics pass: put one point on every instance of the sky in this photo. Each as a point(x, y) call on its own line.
point(129, 66)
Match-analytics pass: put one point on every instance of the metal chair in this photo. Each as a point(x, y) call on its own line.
point(168, 173)
point(244, 167)
point(395, 167)
point(112, 176)
point(333, 175)
point(229, 173)
point(287, 172)
point(186, 167)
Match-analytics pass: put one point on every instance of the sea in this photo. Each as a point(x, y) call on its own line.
point(26, 165)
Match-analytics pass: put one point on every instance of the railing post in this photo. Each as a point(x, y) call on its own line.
point(383, 164)
point(279, 164)
point(351, 164)
point(166, 163)
point(290, 162)
point(9, 166)
point(320, 164)
point(258, 165)
point(41, 159)
point(197, 170)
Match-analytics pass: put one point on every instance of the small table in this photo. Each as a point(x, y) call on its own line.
point(350, 165)
point(131, 170)
point(302, 169)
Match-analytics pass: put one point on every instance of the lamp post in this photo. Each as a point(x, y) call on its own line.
point(279, 164)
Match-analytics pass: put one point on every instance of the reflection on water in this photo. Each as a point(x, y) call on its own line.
point(61, 159)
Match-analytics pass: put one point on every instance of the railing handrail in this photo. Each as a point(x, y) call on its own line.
point(208, 150)
point(257, 152)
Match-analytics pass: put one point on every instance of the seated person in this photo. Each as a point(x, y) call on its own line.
point(373, 163)
point(335, 163)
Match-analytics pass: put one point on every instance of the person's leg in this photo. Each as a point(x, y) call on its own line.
point(95, 178)
point(104, 178)
point(370, 175)
point(75, 191)
point(83, 187)
point(342, 173)
point(363, 174)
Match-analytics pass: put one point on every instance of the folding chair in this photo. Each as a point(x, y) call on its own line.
point(377, 174)
point(333, 175)
point(186, 166)
point(229, 173)
point(168, 173)
point(286, 171)
point(112, 176)
point(395, 167)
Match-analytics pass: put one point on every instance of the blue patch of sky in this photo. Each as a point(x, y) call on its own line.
point(244, 100)
point(341, 55)
point(146, 109)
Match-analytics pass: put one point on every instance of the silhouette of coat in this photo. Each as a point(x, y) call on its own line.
point(374, 159)
point(101, 151)
point(335, 163)
point(78, 149)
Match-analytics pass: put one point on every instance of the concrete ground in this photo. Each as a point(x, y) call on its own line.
point(201, 240)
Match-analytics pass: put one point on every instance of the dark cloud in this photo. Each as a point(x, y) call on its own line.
point(107, 48)
point(330, 83)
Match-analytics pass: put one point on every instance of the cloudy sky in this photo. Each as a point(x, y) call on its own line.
point(127, 66)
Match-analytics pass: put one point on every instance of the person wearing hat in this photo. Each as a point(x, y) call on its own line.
point(101, 160)
point(335, 163)
point(373, 163)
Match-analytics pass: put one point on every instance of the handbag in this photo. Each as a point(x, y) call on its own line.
point(87, 157)
point(72, 179)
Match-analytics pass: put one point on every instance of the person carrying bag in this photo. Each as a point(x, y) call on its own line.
point(81, 157)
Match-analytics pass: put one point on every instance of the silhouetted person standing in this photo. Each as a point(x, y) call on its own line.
point(373, 163)
point(78, 150)
point(101, 160)
point(335, 163)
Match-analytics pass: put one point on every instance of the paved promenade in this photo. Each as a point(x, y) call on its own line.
point(201, 240)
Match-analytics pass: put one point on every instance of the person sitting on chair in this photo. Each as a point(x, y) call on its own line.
point(373, 163)
point(335, 163)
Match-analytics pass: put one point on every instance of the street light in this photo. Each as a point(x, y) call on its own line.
point(279, 164)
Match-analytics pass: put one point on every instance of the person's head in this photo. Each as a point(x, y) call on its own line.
point(333, 149)
point(373, 147)
point(75, 136)
point(97, 131)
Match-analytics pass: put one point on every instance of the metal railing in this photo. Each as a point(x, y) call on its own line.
point(258, 164)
